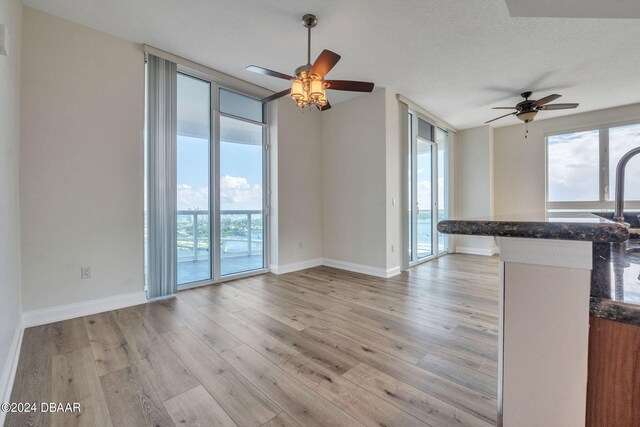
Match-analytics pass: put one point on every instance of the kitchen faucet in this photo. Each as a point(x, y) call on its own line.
point(622, 164)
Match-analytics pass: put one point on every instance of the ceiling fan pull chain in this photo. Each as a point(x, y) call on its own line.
point(526, 130)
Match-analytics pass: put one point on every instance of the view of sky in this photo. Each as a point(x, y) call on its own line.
point(573, 166)
point(240, 171)
point(240, 150)
point(621, 140)
point(573, 162)
point(424, 179)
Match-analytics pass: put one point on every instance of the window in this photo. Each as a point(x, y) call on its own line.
point(193, 169)
point(426, 190)
point(581, 167)
point(221, 191)
point(573, 166)
point(206, 180)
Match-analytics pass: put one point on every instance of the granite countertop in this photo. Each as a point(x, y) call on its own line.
point(541, 225)
point(615, 279)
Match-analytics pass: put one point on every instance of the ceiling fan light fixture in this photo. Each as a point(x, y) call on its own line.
point(308, 86)
point(527, 110)
point(317, 89)
point(308, 90)
point(527, 116)
point(297, 90)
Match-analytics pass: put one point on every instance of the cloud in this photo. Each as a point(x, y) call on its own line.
point(574, 162)
point(190, 198)
point(424, 195)
point(573, 166)
point(238, 193)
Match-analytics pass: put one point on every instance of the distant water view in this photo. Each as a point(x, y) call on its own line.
point(241, 242)
point(241, 234)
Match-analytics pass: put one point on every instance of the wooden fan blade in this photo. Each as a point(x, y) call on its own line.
point(276, 95)
point(267, 72)
point(324, 63)
point(504, 108)
point(326, 106)
point(492, 120)
point(558, 106)
point(350, 85)
point(548, 99)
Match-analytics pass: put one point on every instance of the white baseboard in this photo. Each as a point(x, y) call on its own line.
point(359, 268)
point(10, 368)
point(296, 266)
point(476, 251)
point(393, 271)
point(85, 308)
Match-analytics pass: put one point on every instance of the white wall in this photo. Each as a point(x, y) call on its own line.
point(81, 166)
point(519, 171)
point(361, 175)
point(474, 184)
point(10, 305)
point(354, 183)
point(296, 186)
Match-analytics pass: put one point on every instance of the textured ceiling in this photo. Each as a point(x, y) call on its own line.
point(456, 58)
point(575, 8)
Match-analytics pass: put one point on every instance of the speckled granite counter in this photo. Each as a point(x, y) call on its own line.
point(557, 226)
point(615, 280)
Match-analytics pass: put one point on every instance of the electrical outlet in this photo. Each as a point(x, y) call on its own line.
point(85, 272)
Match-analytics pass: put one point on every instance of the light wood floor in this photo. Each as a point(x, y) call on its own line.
point(317, 347)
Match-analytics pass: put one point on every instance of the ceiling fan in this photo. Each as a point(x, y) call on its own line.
point(526, 110)
point(308, 86)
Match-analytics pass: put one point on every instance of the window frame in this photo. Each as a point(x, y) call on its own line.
point(214, 161)
point(410, 234)
point(606, 201)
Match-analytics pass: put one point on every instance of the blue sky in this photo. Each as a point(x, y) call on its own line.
point(240, 171)
point(240, 163)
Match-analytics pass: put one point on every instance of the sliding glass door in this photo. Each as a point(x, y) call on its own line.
point(221, 182)
point(241, 196)
point(427, 189)
point(424, 198)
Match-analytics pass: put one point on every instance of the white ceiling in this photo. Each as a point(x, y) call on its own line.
point(575, 8)
point(456, 58)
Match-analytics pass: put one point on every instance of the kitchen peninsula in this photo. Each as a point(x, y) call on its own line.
point(545, 298)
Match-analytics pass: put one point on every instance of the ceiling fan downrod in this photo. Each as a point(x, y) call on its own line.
point(309, 21)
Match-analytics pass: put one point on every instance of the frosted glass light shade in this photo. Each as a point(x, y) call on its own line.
point(527, 116)
point(317, 89)
point(297, 89)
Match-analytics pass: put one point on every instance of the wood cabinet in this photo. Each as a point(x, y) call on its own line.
point(613, 388)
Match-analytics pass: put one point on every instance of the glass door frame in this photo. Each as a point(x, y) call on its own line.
point(214, 180)
point(411, 249)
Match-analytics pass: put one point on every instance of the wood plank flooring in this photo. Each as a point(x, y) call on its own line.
point(319, 347)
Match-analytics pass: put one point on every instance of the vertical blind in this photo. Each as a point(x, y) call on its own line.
point(161, 179)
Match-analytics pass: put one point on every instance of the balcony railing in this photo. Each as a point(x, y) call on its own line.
point(241, 234)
